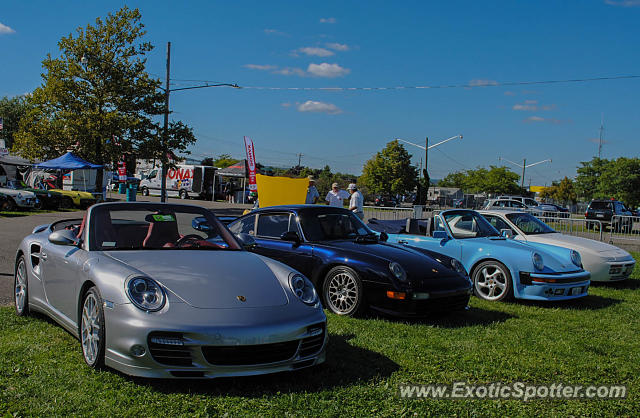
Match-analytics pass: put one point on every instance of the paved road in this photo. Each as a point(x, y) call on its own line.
point(13, 229)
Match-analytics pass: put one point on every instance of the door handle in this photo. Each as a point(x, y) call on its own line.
point(403, 241)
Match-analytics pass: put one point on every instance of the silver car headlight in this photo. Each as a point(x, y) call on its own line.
point(397, 271)
point(145, 293)
point(576, 259)
point(538, 263)
point(303, 288)
point(458, 267)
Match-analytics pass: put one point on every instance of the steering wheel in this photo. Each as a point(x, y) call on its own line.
point(188, 239)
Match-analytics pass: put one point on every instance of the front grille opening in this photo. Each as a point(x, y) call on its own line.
point(302, 364)
point(313, 344)
point(165, 348)
point(242, 355)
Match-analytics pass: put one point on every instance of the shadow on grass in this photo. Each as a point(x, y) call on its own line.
point(587, 303)
point(457, 319)
point(628, 284)
point(345, 365)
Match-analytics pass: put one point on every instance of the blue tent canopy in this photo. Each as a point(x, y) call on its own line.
point(68, 161)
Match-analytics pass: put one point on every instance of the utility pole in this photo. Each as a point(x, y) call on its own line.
point(601, 136)
point(299, 158)
point(524, 166)
point(165, 131)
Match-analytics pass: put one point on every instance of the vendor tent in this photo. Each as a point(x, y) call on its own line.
point(238, 169)
point(68, 161)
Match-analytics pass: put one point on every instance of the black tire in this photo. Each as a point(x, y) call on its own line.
point(342, 292)
point(66, 203)
point(183, 194)
point(21, 287)
point(91, 328)
point(145, 191)
point(11, 205)
point(38, 205)
point(489, 276)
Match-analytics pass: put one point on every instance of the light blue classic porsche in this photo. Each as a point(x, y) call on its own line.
point(500, 268)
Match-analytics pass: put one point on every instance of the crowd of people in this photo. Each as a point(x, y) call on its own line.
point(336, 197)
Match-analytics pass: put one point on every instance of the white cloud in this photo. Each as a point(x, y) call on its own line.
point(290, 71)
point(319, 107)
point(274, 32)
point(531, 102)
point(536, 119)
point(285, 105)
point(623, 3)
point(338, 47)
point(327, 70)
point(328, 20)
point(482, 82)
point(549, 107)
point(260, 67)
point(314, 51)
point(525, 107)
point(532, 106)
point(4, 29)
point(509, 93)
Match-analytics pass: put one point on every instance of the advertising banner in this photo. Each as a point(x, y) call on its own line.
point(251, 163)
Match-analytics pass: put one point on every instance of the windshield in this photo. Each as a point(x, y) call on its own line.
point(529, 224)
point(466, 224)
point(327, 226)
point(157, 227)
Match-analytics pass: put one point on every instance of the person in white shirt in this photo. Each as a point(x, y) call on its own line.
point(336, 196)
point(357, 201)
point(312, 192)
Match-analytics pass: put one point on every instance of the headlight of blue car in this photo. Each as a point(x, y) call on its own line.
point(303, 288)
point(397, 271)
point(457, 266)
point(145, 293)
point(576, 259)
point(538, 263)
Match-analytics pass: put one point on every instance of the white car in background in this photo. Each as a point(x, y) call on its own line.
point(605, 262)
point(23, 199)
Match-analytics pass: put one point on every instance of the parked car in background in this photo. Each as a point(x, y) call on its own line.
point(388, 201)
point(351, 267)
point(605, 262)
point(20, 199)
point(539, 209)
point(49, 199)
point(500, 268)
point(150, 292)
point(611, 213)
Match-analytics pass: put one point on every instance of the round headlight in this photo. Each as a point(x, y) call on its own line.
point(538, 263)
point(397, 271)
point(303, 288)
point(458, 267)
point(145, 293)
point(576, 259)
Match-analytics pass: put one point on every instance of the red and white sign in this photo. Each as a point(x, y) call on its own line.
point(122, 171)
point(251, 163)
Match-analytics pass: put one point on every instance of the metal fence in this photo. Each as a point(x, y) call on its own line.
point(574, 226)
point(371, 212)
point(624, 228)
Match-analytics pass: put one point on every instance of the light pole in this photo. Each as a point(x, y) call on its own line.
point(165, 131)
point(426, 149)
point(523, 166)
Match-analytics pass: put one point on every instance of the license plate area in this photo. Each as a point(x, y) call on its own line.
point(576, 291)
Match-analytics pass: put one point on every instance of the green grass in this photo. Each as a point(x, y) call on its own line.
point(590, 341)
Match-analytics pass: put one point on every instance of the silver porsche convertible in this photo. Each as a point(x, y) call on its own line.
point(167, 291)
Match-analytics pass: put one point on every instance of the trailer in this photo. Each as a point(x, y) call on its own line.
point(183, 181)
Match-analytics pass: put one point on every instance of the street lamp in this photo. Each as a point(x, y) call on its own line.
point(523, 166)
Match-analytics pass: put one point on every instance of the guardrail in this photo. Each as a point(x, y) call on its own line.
point(386, 213)
point(577, 227)
point(624, 228)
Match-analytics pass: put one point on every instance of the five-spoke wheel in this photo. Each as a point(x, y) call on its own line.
point(342, 291)
point(92, 329)
point(492, 281)
point(20, 287)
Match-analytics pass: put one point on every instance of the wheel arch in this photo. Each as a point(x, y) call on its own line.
point(88, 284)
point(475, 265)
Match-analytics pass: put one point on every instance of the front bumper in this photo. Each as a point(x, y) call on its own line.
point(544, 286)
point(28, 202)
point(267, 338)
point(419, 303)
point(609, 271)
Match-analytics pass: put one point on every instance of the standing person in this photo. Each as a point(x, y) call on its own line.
point(336, 196)
point(356, 202)
point(312, 192)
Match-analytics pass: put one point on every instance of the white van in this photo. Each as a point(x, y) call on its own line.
point(183, 181)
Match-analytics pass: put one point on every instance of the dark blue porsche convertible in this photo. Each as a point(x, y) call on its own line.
point(350, 266)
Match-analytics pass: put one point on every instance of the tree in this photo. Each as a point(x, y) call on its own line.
point(224, 161)
point(588, 175)
point(11, 110)
point(207, 161)
point(390, 171)
point(97, 90)
point(620, 180)
point(563, 192)
point(495, 180)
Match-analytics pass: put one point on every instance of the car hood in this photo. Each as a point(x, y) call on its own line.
point(209, 279)
point(415, 263)
point(13, 192)
point(582, 245)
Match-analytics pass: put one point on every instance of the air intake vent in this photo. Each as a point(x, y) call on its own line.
point(168, 348)
point(312, 345)
point(250, 354)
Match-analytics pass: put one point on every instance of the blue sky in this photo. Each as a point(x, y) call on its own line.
point(376, 44)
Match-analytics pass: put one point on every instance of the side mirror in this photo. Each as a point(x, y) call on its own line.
point(506, 233)
point(290, 236)
point(63, 237)
point(247, 241)
point(384, 237)
point(440, 235)
point(200, 224)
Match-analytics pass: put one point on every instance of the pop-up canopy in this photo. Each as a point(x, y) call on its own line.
point(68, 161)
